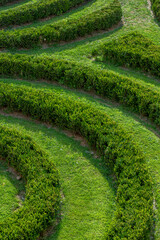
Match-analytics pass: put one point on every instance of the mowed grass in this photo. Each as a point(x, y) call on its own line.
point(142, 131)
point(136, 16)
point(10, 189)
point(87, 189)
point(82, 10)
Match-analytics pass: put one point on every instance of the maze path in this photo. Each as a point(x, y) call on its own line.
point(35, 10)
point(42, 186)
point(10, 189)
point(134, 201)
point(136, 15)
point(88, 201)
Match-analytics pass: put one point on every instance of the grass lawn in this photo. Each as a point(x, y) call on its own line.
point(87, 189)
point(10, 191)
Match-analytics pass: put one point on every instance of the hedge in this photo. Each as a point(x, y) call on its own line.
point(132, 50)
point(63, 30)
point(134, 94)
point(38, 9)
point(156, 8)
point(4, 2)
point(42, 186)
point(133, 216)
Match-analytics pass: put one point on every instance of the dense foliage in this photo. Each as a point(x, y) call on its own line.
point(35, 10)
point(3, 2)
point(134, 194)
point(128, 91)
point(156, 8)
point(63, 30)
point(42, 186)
point(132, 50)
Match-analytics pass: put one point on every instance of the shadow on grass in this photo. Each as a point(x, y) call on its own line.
point(74, 145)
point(66, 45)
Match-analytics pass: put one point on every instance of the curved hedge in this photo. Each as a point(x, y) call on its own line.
point(4, 2)
point(63, 30)
point(38, 9)
point(134, 194)
point(141, 98)
point(42, 186)
point(132, 50)
point(156, 8)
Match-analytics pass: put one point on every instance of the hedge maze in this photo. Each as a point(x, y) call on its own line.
point(90, 70)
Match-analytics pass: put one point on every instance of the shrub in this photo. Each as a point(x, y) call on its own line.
point(42, 186)
point(156, 8)
point(63, 30)
point(35, 10)
point(133, 50)
point(139, 97)
point(134, 194)
point(4, 2)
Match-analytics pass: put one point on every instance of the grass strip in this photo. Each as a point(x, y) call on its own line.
point(87, 188)
point(132, 50)
point(133, 216)
point(42, 187)
point(11, 191)
point(63, 30)
point(35, 10)
point(140, 97)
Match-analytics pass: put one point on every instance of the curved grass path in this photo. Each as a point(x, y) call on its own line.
point(88, 194)
point(136, 16)
point(10, 188)
point(146, 139)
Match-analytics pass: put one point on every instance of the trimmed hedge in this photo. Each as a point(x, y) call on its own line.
point(63, 30)
point(42, 186)
point(4, 2)
point(156, 8)
point(32, 11)
point(132, 50)
point(139, 97)
point(133, 216)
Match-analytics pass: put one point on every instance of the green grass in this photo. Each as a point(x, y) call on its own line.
point(142, 131)
point(10, 188)
point(83, 10)
point(136, 16)
point(73, 162)
point(88, 194)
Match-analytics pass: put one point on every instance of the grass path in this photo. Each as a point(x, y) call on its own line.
point(83, 10)
point(142, 132)
point(9, 190)
point(136, 16)
point(88, 195)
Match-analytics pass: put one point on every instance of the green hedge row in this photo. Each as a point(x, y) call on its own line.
point(156, 8)
point(133, 216)
point(32, 11)
point(139, 97)
point(4, 2)
point(42, 186)
point(132, 50)
point(63, 30)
